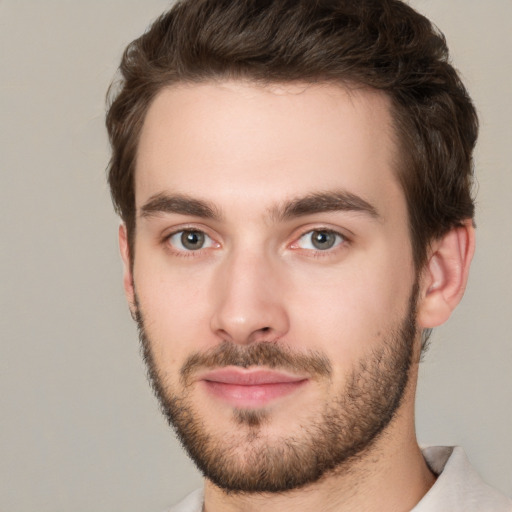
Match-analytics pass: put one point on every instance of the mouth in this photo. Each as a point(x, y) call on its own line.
point(250, 388)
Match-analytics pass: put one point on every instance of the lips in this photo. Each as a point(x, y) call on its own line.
point(250, 388)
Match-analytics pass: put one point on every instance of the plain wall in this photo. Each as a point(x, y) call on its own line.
point(80, 429)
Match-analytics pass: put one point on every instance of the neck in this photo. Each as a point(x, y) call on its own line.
point(391, 475)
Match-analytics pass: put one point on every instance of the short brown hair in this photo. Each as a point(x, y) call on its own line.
point(383, 44)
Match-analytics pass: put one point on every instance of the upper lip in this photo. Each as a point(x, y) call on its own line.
point(249, 377)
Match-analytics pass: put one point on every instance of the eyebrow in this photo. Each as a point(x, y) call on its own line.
point(317, 202)
point(179, 204)
point(320, 202)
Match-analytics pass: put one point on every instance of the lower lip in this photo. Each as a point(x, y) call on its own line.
point(252, 396)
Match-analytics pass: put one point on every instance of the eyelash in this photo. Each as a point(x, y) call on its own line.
point(317, 253)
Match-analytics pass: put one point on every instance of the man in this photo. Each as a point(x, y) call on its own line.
point(294, 180)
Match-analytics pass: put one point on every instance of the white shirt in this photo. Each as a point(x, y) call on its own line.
point(458, 487)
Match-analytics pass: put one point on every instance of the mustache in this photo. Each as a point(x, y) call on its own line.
point(267, 353)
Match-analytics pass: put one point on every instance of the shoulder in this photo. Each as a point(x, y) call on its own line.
point(458, 486)
point(191, 503)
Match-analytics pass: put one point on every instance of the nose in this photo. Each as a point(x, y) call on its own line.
point(249, 300)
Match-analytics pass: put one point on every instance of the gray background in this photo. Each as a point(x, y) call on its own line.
point(80, 429)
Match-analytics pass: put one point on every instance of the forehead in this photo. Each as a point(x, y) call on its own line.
point(238, 141)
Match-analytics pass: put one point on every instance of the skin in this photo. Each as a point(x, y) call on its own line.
point(246, 151)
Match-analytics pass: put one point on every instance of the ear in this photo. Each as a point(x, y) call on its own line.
point(127, 268)
point(444, 277)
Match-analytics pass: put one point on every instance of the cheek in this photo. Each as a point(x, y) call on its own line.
point(174, 308)
point(349, 311)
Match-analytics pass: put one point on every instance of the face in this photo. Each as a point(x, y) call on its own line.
point(273, 278)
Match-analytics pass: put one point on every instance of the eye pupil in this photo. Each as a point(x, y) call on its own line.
point(192, 240)
point(323, 239)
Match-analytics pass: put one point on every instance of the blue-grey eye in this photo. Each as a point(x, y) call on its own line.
point(190, 240)
point(320, 240)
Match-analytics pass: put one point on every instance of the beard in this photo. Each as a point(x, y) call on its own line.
point(245, 459)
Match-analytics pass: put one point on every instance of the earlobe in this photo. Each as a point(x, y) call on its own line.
point(445, 275)
point(124, 249)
